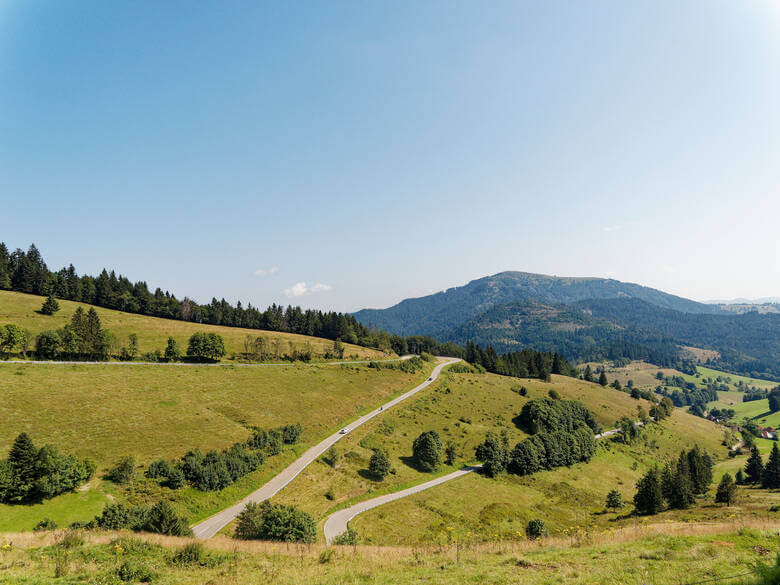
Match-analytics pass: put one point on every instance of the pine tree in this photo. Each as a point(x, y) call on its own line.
point(754, 466)
point(740, 477)
point(727, 490)
point(588, 375)
point(22, 459)
point(648, 498)
point(602, 378)
point(770, 478)
point(50, 306)
point(426, 450)
point(681, 491)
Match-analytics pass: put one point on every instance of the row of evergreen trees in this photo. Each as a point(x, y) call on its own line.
point(757, 473)
point(27, 272)
point(32, 474)
point(677, 485)
point(526, 363)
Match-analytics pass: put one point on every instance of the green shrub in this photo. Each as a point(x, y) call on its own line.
point(122, 471)
point(189, 554)
point(379, 465)
point(327, 556)
point(350, 537)
point(45, 524)
point(132, 570)
point(267, 521)
point(536, 529)
point(206, 347)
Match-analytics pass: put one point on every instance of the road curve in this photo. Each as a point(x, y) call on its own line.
point(217, 522)
point(338, 522)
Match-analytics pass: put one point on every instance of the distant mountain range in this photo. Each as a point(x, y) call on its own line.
point(740, 301)
point(587, 318)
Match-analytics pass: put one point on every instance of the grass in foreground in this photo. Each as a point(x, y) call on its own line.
point(659, 554)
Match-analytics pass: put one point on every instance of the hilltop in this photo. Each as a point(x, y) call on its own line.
point(438, 313)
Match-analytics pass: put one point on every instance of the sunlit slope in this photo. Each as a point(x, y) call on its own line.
point(462, 408)
point(153, 332)
point(104, 412)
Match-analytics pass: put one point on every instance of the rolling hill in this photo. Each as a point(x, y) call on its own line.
point(23, 309)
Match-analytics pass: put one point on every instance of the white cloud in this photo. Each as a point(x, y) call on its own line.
point(266, 271)
point(610, 228)
point(299, 289)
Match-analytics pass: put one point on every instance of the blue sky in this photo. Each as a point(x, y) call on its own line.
point(349, 155)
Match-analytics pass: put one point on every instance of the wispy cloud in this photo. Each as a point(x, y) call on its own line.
point(610, 228)
point(299, 289)
point(266, 271)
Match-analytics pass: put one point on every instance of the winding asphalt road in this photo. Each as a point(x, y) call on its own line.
point(213, 525)
point(338, 522)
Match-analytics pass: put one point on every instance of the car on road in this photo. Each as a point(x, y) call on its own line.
point(343, 432)
point(430, 379)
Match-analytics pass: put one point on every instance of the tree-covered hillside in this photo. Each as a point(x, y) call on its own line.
point(608, 329)
point(440, 312)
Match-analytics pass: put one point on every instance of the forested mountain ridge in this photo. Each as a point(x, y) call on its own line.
point(438, 313)
point(618, 320)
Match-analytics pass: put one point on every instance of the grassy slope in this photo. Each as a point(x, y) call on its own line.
point(757, 410)
point(643, 375)
point(490, 403)
point(105, 412)
point(153, 332)
point(735, 379)
point(661, 555)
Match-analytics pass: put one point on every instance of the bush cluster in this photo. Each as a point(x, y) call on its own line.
point(267, 521)
point(31, 474)
point(547, 415)
point(550, 450)
point(161, 518)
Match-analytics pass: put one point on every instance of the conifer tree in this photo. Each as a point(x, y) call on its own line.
point(770, 478)
point(754, 466)
point(602, 378)
point(50, 306)
point(727, 490)
point(22, 460)
point(588, 375)
point(648, 498)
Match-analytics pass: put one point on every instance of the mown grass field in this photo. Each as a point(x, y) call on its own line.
point(568, 497)
point(105, 412)
point(22, 309)
point(757, 410)
point(666, 554)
